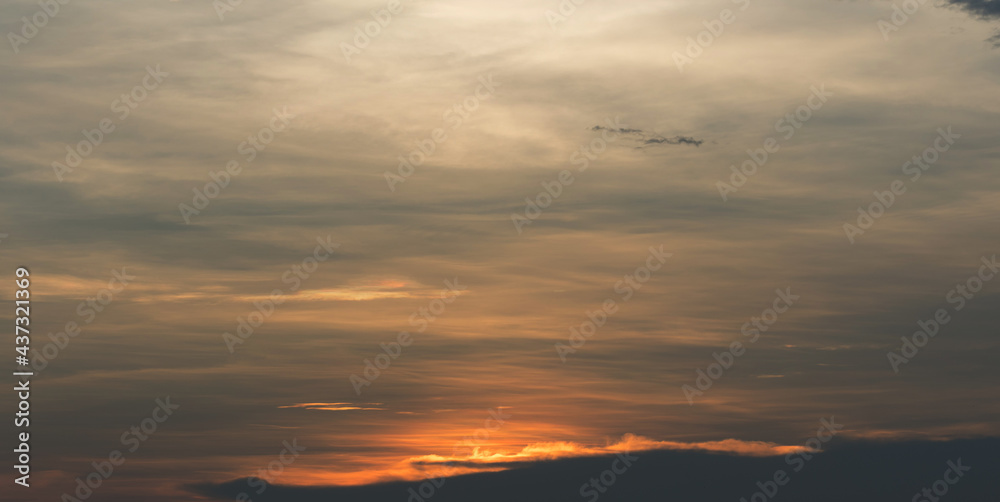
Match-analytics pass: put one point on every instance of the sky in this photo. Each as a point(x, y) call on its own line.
point(485, 235)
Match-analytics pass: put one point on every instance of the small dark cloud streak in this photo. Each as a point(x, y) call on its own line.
point(652, 139)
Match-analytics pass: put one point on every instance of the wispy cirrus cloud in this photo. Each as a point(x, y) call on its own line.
point(336, 406)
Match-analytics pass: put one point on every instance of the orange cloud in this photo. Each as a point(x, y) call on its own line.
point(628, 443)
point(483, 459)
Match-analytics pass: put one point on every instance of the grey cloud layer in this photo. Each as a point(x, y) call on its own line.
point(451, 218)
point(984, 8)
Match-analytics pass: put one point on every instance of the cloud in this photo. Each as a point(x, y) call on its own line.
point(484, 459)
point(995, 39)
point(162, 334)
point(336, 406)
point(849, 470)
point(676, 140)
point(647, 138)
point(983, 8)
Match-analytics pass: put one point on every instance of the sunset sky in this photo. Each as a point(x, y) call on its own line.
point(479, 180)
